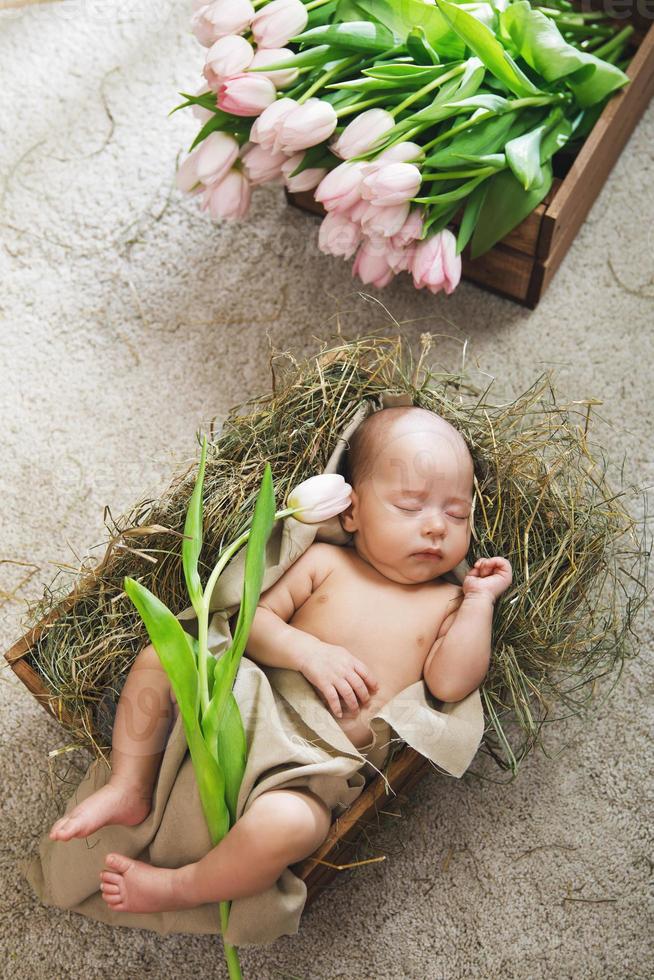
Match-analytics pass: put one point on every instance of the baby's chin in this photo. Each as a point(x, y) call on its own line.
point(413, 572)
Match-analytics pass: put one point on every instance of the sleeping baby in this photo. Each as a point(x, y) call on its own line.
point(360, 623)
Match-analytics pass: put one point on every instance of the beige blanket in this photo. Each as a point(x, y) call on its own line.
point(293, 740)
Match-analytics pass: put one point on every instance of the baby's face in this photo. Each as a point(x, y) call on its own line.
point(411, 515)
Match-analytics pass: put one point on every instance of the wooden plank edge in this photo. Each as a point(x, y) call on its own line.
point(591, 168)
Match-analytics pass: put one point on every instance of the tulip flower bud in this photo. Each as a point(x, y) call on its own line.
point(228, 56)
point(304, 181)
point(404, 152)
point(262, 165)
point(391, 183)
point(264, 129)
point(362, 133)
point(384, 222)
point(216, 155)
point(410, 230)
point(340, 189)
point(186, 177)
point(246, 95)
point(230, 197)
point(338, 235)
point(281, 78)
point(436, 264)
point(215, 20)
point(279, 21)
point(320, 497)
point(306, 125)
point(371, 265)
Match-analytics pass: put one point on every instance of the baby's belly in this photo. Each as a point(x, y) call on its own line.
point(393, 661)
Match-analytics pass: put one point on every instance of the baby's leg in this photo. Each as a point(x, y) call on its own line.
point(143, 718)
point(279, 829)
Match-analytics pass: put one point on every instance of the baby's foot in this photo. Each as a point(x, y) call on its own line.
point(114, 803)
point(128, 885)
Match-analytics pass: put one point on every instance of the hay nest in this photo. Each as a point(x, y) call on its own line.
point(542, 501)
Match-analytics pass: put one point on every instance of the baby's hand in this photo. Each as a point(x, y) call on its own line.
point(489, 576)
point(332, 670)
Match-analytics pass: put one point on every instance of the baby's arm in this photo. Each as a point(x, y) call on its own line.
point(272, 641)
point(459, 658)
point(332, 670)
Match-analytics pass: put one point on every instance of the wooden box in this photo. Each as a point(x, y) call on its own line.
point(335, 854)
point(522, 264)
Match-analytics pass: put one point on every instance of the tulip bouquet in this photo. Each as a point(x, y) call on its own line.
point(396, 114)
point(203, 684)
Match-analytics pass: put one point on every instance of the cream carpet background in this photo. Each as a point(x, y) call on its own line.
point(127, 321)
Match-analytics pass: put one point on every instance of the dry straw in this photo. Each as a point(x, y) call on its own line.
point(542, 501)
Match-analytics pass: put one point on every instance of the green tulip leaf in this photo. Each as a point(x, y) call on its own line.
point(402, 18)
point(538, 40)
point(255, 556)
point(482, 41)
point(470, 215)
point(420, 49)
point(175, 651)
point(192, 542)
point(506, 204)
point(353, 36)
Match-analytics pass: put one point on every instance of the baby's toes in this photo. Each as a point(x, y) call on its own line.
point(108, 889)
point(113, 901)
point(110, 877)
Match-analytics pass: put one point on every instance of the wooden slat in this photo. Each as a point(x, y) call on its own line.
point(404, 772)
point(595, 160)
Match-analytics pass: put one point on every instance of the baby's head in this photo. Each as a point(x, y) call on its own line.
point(412, 481)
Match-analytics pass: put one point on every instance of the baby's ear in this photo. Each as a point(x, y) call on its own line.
point(347, 517)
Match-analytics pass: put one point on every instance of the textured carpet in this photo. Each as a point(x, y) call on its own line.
point(127, 321)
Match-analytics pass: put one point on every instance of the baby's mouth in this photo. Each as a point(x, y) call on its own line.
point(428, 553)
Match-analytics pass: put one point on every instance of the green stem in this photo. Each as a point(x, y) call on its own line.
point(512, 107)
point(231, 953)
point(615, 42)
point(316, 3)
point(455, 174)
point(427, 88)
point(344, 63)
point(359, 105)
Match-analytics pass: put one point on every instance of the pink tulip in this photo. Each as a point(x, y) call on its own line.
point(306, 125)
point(390, 184)
point(304, 181)
point(281, 78)
point(371, 265)
point(228, 56)
point(246, 95)
point(230, 197)
point(186, 177)
point(340, 189)
point(264, 129)
point(362, 133)
point(319, 498)
point(436, 264)
point(278, 22)
point(215, 20)
point(338, 235)
point(384, 222)
point(404, 152)
point(399, 259)
point(262, 165)
point(357, 211)
point(410, 230)
point(216, 155)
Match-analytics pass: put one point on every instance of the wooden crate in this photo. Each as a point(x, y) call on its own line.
point(522, 265)
point(406, 769)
